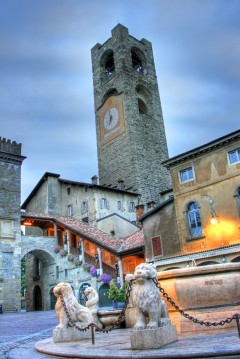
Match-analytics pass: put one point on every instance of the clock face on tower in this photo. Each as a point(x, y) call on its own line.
point(111, 117)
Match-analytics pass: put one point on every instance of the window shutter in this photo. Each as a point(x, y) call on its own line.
point(157, 246)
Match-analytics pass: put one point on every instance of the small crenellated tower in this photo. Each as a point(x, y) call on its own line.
point(10, 225)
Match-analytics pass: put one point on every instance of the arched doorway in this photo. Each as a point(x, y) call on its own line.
point(53, 299)
point(37, 298)
point(37, 269)
point(104, 301)
point(81, 293)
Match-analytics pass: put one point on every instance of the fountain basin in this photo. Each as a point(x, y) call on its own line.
point(209, 293)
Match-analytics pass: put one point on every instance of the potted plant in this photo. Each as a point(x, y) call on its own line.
point(113, 294)
point(117, 295)
point(121, 296)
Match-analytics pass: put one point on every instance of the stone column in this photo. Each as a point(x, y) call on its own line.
point(65, 241)
point(55, 229)
point(120, 273)
point(100, 260)
point(68, 242)
point(82, 249)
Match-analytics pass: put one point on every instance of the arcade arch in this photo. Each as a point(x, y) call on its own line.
point(36, 269)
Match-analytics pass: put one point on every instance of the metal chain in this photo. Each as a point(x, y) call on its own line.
point(190, 317)
point(235, 316)
point(93, 325)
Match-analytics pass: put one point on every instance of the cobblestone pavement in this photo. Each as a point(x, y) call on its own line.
point(17, 329)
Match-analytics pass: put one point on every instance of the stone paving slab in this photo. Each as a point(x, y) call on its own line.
point(116, 344)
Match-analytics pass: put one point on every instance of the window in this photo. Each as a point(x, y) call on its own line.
point(186, 175)
point(69, 210)
point(37, 266)
point(234, 156)
point(119, 205)
point(84, 207)
point(112, 233)
point(143, 97)
point(104, 203)
point(157, 246)
point(131, 207)
point(137, 63)
point(57, 272)
point(74, 240)
point(68, 190)
point(194, 220)
point(66, 273)
point(109, 65)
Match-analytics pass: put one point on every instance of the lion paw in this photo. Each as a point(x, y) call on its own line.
point(60, 326)
point(152, 326)
point(139, 327)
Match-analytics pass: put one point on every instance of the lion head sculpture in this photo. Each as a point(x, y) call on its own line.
point(77, 312)
point(150, 308)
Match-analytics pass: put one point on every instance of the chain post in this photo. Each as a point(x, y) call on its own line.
point(93, 334)
point(238, 324)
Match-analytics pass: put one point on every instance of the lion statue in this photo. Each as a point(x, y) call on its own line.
point(92, 300)
point(77, 312)
point(151, 309)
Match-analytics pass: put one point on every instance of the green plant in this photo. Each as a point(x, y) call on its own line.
point(117, 294)
point(113, 292)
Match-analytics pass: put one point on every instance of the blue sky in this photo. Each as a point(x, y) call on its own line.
point(46, 90)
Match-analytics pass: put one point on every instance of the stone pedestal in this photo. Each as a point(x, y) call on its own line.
point(153, 338)
point(70, 334)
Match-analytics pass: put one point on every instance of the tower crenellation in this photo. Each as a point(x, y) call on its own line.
point(10, 146)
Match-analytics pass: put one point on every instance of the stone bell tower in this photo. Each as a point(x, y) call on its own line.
point(131, 138)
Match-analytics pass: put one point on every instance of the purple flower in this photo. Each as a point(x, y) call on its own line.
point(77, 261)
point(63, 253)
point(93, 271)
point(105, 278)
point(57, 249)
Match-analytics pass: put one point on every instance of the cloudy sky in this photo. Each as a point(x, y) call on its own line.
point(46, 90)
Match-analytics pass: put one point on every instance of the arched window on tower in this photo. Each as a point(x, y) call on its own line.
point(109, 65)
point(136, 62)
point(112, 91)
point(194, 219)
point(143, 99)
